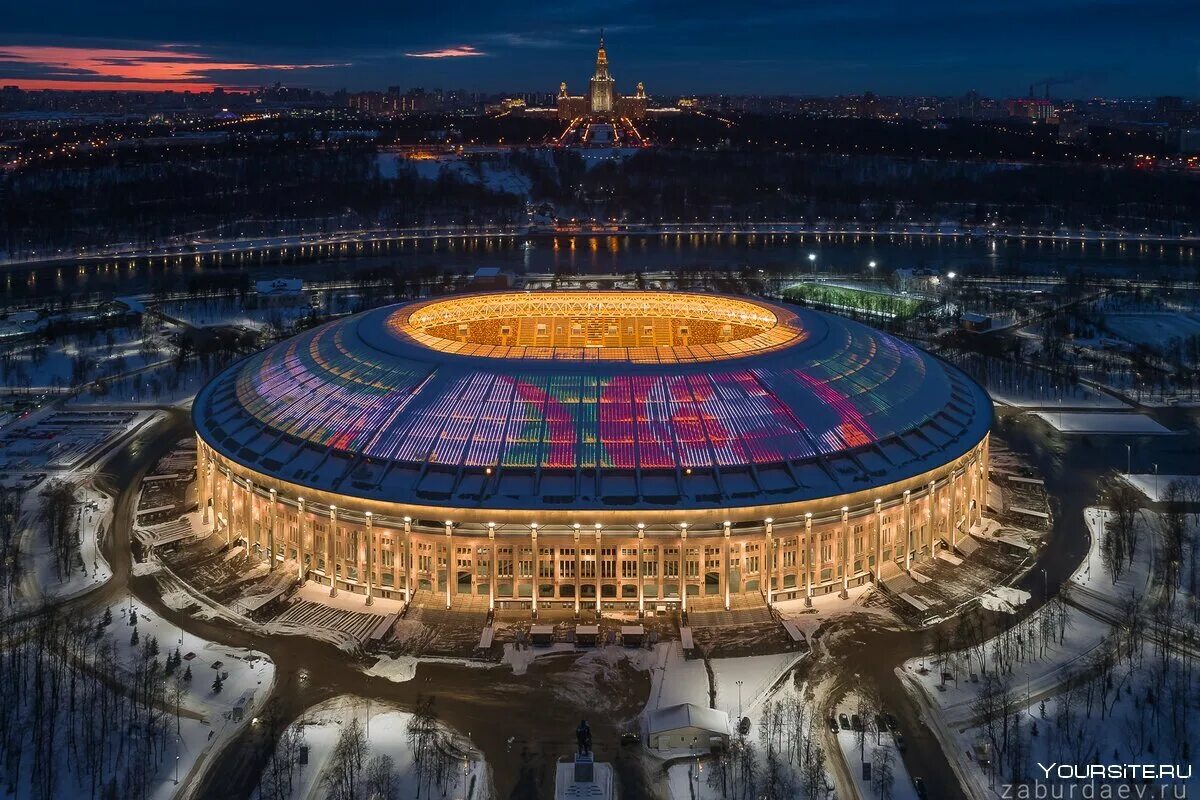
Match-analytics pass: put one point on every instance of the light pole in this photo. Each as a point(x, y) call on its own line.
point(1156, 483)
point(1045, 586)
point(1128, 458)
point(739, 685)
point(812, 260)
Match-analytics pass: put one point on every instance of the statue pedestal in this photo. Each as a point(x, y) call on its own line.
point(584, 768)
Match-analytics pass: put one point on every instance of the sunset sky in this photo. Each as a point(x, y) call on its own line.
point(1110, 47)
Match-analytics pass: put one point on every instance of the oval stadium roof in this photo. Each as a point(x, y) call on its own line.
point(399, 405)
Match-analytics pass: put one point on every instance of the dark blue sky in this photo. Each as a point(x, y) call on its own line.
point(1109, 47)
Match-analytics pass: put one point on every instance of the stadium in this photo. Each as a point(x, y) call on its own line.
point(625, 450)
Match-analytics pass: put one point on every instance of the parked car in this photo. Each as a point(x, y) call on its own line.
point(845, 721)
point(880, 723)
point(919, 785)
point(890, 720)
point(898, 738)
point(630, 738)
point(856, 722)
point(833, 726)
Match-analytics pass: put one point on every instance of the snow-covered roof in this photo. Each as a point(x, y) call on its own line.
point(808, 406)
point(688, 715)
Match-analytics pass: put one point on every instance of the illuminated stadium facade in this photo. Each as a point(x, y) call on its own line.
point(597, 449)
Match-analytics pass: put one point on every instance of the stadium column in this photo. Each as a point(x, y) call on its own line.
point(809, 559)
point(725, 555)
point(370, 547)
point(954, 482)
point(878, 540)
point(847, 552)
point(228, 506)
point(575, 538)
point(641, 583)
point(683, 565)
point(536, 567)
point(271, 518)
point(330, 562)
point(661, 596)
point(201, 482)
point(203, 476)
point(765, 568)
point(777, 560)
point(908, 540)
point(300, 539)
point(408, 561)
point(596, 568)
point(212, 492)
point(248, 517)
point(493, 568)
point(980, 489)
point(930, 500)
point(449, 560)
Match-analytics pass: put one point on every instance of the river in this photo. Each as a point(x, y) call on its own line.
point(581, 254)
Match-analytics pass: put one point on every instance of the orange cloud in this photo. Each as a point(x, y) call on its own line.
point(457, 51)
point(166, 68)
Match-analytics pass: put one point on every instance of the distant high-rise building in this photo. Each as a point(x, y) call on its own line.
point(602, 100)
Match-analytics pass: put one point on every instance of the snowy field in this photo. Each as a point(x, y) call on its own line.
point(493, 173)
point(76, 359)
point(1103, 423)
point(385, 730)
point(192, 716)
point(1153, 328)
point(231, 311)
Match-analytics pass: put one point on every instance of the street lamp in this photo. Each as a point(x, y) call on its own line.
point(739, 685)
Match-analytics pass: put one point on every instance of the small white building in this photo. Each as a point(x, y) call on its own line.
point(688, 727)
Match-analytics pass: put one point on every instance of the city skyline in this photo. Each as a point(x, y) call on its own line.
point(1081, 47)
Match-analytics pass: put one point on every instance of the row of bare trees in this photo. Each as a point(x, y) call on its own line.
point(74, 722)
point(786, 762)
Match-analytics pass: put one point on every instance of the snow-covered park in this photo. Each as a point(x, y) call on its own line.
point(120, 701)
point(387, 753)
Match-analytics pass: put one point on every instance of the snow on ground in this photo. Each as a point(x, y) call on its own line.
point(1155, 486)
point(1102, 423)
point(1023, 396)
point(1095, 579)
point(494, 173)
point(519, 658)
point(1004, 598)
point(902, 784)
point(211, 721)
point(385, 728)
point(242, 670)
point(162, 384)
point(205, 720)
point(233, 311)
point(757, 674)
point(41, 582)
point(826, 607)
point(1095, 601)
point(77, 358)
point(1153, 328)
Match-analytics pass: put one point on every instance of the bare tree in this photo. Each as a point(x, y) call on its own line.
point(883, 772)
